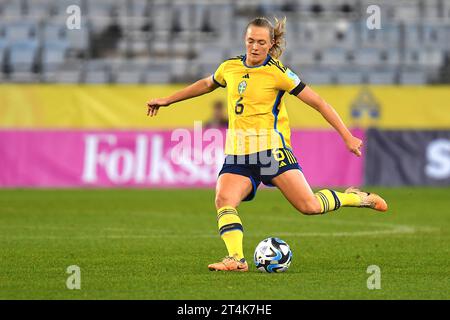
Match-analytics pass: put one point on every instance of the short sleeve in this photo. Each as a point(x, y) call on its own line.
point(290, 82)
point(219, 76)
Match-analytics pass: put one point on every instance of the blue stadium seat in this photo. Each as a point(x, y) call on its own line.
point(371, 38)
point(417, 77)
point(129, 76)
point(160, 47)
point(206, 69)
point(405, 11)
point(79, 39)
point(178, 68)
point(11, 9)
point(157, 75)
point(425, 57)
point(161, 15)
point(391, 57)
point(54, 31)
point(23, 56)
point(97, 76)
point(238, 28)
point(308, 33)
point(381, 76)
point(181, 47)
point(347, 35)
point(301, 57)
point(326, 34)
point(69, 72)
point(316, 75)
point(103, 8)
point(432, 58)
point(391, 35)
point(366, 56)
point(436, 36)
point(59, 7)
point(334, 57)
point(53, 55)
point(136, 71)
point(64, 76)
point(431, 9)
point(137, 48)
point(3, 48)
point(96, 71)
point(19, 31)
point(207, 53)
point(140, 8)
point(350, 76)
point(445, 10)
point(39, 9)
point(412, 36)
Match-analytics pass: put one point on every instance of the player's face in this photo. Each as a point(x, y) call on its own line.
point(258, 44)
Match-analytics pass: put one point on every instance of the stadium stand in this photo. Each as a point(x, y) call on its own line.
point(180, 41)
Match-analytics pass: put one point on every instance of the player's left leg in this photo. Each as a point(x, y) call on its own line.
point(231, 189)
point(296, 189)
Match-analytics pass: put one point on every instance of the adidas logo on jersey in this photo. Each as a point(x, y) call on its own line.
point(246, 76)
point(282, 164)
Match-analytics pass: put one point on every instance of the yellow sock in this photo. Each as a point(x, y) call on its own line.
point(331, 200)
point(231, 231)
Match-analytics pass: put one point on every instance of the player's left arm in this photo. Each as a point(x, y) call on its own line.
point(311, 98)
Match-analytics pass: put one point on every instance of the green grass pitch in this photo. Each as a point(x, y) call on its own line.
point(156, 244)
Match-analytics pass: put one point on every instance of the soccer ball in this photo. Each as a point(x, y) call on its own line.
point(272, 255)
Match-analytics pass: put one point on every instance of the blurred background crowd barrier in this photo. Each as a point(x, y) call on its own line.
point(72, 101)
point(165, 41)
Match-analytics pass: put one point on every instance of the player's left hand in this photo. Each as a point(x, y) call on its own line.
point(354, 145)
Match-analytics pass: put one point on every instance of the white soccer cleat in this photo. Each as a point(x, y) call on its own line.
point(369, 200)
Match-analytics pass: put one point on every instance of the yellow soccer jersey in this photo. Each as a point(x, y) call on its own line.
point(257, 115)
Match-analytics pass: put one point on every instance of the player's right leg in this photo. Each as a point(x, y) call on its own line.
point(296, 189)
point(368, 199)
point(231, 189)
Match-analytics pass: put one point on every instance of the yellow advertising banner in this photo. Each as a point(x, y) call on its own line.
point(124, 106)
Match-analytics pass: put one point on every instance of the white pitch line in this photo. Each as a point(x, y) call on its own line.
point(114, 232)
point(397, 229)
point(400, 230)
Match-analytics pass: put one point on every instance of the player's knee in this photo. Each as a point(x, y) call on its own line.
point(223, 200)
point(310, 207)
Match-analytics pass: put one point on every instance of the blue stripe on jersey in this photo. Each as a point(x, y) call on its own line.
point(217, 82)
point(260, 65)
point(275, 114)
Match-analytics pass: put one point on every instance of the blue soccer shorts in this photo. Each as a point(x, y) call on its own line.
point(260, 167)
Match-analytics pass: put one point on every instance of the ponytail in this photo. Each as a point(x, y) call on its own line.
point(279, 32)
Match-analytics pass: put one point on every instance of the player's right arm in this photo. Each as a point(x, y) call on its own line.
point(196, 89)
point(312, 99)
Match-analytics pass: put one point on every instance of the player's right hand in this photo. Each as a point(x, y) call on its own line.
point(354, 145)
point(154, 104)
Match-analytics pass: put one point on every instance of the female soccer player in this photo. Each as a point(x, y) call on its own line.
point(259, 137)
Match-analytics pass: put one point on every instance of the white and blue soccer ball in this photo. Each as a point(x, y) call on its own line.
point(272, 255)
